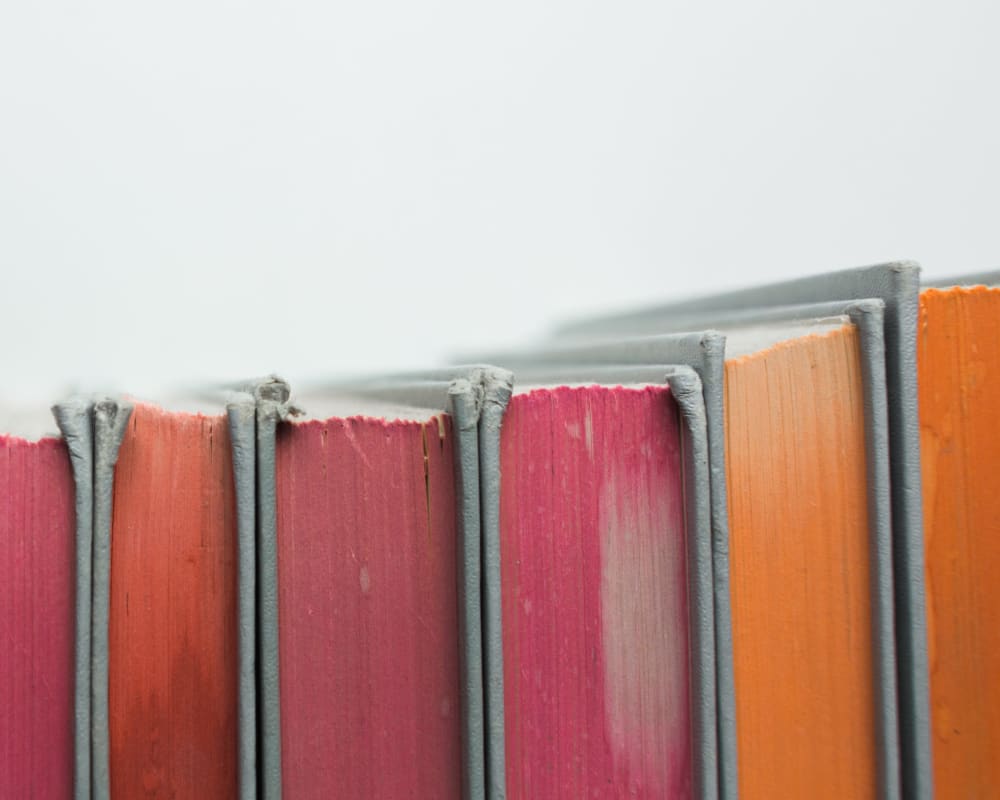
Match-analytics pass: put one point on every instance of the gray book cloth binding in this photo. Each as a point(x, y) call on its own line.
point(991, 278)
point(497, 388)
point(271, 398)
point(688, 393)
point(704, 353)
point(110, 419)
point(898, 285)
point(75, 421)
point(475, 397)
point(254, 408)
point(93, 433)
point(464, 404)
point(242, 416)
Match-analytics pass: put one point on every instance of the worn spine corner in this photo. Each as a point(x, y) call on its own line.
point(905, 265)
point(465, 401)
point(273, 395)
point(866, 314)
point(713, 344)
point(685, 386)
point(498, 387)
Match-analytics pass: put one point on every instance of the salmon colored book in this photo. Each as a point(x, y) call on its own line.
point(172, 638)
point(595, 614)
point(800, 570)
point(958, 350)
point(37, 554)
point(368, 609)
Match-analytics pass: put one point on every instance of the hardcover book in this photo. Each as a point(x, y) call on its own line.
point(37, 555)
point(958, 353)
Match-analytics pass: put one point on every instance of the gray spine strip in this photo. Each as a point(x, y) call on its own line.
point(464, 403)
point(991, 278)
point(868, 317)
point(110, 420)
point(712, 374)
point(687, 392)
point(908, 544)
point(850, 284)
point(497, 388)
point(75, 422)
point(242, 432)
point(272, 406)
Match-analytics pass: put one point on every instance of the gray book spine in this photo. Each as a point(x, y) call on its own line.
point(242, 417)
point(464, 401)
point(110, 420)
point(272, 407)
point(497, 388)
point(75, 420)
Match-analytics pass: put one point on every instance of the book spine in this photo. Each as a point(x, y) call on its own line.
point(243, 434)
point(110, 420)
point(686, 389)
point(75, 421)
point(868, 318)
point(464, 401)
point(272, 406)
point(497, 390)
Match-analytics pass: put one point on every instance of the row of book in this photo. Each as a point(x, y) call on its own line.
point(746, 545)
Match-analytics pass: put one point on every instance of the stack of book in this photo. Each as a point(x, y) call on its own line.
point(744, 545)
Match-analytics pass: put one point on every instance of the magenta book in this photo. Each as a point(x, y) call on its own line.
point(369, 648)
point(595, 614)
point(37, 554)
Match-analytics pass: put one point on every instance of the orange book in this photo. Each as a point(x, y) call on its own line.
point(958, 349)
point(800, 572)
point(173, 635)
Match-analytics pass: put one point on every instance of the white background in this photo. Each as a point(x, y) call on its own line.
point(206, 190)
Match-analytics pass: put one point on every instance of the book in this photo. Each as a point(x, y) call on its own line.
point(172, 643)
point(606, 584)
point(800, 572)
point(958, 354)
point(37, 557)
point(378, 596)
